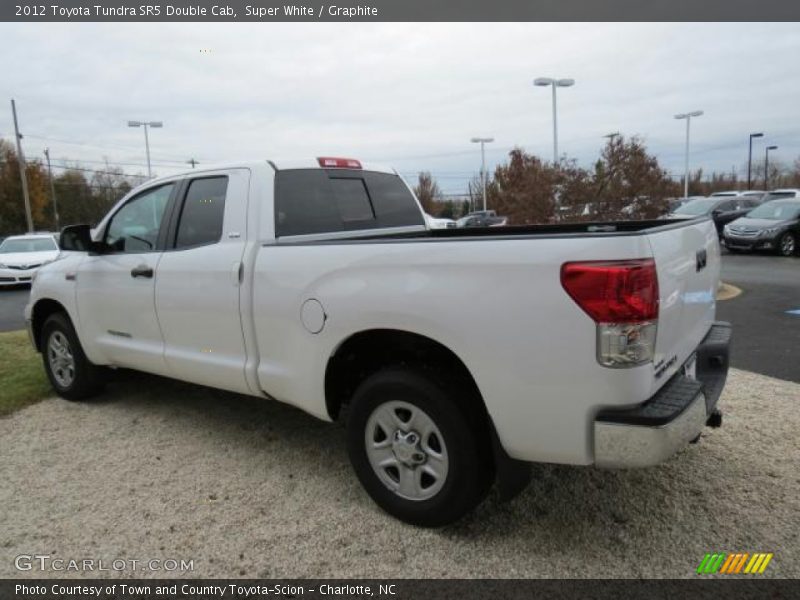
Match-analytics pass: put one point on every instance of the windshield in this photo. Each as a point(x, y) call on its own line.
point(696, 207)
point(28, 245)
point(776, 211)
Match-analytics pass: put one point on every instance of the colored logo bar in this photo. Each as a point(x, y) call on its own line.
point(734, 563)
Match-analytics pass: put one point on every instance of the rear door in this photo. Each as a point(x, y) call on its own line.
point(198, 281)
point(687, 260)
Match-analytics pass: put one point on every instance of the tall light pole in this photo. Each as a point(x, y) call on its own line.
point(554, 83)
point(22, 170)
point(750, 156)
point(146, 124)
point(766, 167)
point(688, 116)
point(483, 141)
point(52, 188)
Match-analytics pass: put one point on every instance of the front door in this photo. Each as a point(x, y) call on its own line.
point(116, 289)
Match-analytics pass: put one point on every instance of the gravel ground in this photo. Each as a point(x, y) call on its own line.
point(160, 469)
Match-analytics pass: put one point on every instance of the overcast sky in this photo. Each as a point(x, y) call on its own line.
point(411, 95)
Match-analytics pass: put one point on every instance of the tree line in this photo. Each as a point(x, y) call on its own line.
point(626, 182)
point(82, 196)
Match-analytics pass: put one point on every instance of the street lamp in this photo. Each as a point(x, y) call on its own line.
point(688, 116)
point(750, 156)
point(766, 167)
point(483, 141)
point(554, 83)
point(146, 124)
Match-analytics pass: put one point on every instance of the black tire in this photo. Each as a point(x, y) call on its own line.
point(787, 244)
point(467, 454)
point(86, 379)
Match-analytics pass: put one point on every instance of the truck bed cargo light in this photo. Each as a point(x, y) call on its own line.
point(332, 162)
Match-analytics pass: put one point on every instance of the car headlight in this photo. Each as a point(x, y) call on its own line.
point(2, 266)
point(769, 231)
point(727, 229)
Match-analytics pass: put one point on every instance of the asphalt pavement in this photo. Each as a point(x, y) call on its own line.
point(766, 335)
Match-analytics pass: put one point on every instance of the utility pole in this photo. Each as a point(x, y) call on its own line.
point(482, 142)
point(22, 171)
point(750, 156)
point(52, 189)
point(192, 162)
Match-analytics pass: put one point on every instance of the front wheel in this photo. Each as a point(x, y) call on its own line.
point(414, 450)
point(71, 374)
point(786, 244)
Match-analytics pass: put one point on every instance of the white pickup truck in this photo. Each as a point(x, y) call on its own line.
point(456, 356)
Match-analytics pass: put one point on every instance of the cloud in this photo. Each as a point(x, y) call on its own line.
point(408, 94)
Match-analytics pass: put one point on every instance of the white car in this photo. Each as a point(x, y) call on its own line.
point(22, 255)
point(457, 356)
point(437, 223)
point(736, 193)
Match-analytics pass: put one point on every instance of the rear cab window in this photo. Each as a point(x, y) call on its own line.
point(317, 201)
point(202, 213)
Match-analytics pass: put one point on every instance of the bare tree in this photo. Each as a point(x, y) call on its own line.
point(428, 193)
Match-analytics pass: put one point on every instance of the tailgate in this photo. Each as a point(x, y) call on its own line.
point(687, 258)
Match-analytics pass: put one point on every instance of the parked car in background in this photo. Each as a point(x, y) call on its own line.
point(723, 209)
point(22, 255)
point(781, 194)
point(437, 223)
point(772, 226)
point(674, 203)
point(481, 220)
point(733, 193)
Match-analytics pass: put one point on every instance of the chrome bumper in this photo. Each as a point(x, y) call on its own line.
point(655, 430)
point(618, 445)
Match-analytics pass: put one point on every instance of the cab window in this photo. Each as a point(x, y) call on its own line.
point(203, 212)
point(134, 228)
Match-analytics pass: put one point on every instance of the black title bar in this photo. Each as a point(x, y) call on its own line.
point(399, 10)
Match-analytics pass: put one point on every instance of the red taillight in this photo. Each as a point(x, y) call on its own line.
point(623, 291)
point(330, 162)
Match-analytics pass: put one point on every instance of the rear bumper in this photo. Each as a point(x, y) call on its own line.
point(655, 430)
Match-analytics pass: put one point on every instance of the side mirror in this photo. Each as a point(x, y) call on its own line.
point(78, 238)
point(716, 212)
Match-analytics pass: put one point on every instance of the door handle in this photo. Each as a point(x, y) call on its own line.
point(142, 271)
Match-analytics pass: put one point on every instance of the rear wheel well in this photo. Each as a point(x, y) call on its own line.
point(367, 352)
point(41, 311)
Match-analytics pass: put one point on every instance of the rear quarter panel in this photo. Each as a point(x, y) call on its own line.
point(497, 304)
